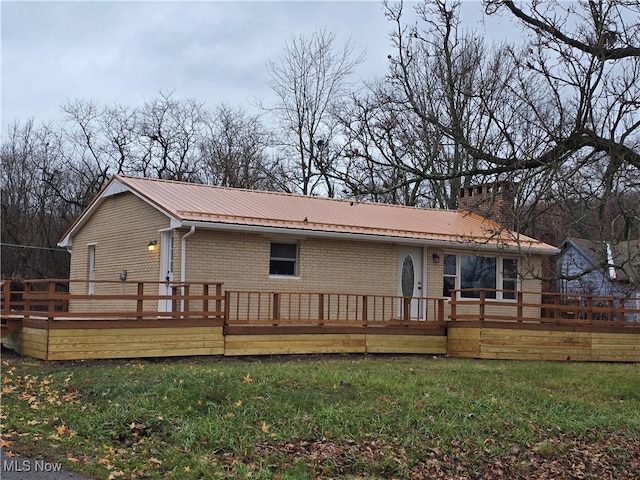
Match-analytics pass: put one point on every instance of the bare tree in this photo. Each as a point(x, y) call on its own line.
point(310, 80)
point(170, 132)
point(443, 92)
point(579, 82)
point(83, 152)
point(234, 151)
point(33, 215)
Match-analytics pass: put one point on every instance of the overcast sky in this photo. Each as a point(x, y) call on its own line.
point(127, 52)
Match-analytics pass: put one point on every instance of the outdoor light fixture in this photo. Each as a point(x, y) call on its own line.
point(435, 257)
point(152, 245)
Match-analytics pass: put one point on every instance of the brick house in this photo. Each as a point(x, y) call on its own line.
point(150, 229)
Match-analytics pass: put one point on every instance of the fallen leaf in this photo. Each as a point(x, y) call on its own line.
point(247, 379)
point(62, 429)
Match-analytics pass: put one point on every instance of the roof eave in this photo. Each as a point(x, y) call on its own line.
point(451, 242)
point(114, 186)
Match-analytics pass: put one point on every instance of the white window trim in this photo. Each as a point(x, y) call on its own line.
point(296, 262)
point(91, 251)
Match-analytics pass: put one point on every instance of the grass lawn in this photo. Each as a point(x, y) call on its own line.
point(325, 417)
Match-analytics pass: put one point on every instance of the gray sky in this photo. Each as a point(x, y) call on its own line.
point(127, 52)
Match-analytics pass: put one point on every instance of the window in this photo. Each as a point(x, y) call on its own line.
point(284, 259)
point(450, 274)
point(477, 272)
point(509, 278)
point(408, 277)
point(480, 272)
point(91, 288)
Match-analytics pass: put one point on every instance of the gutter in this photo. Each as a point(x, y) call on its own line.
point(183, 254)
point(454, 242)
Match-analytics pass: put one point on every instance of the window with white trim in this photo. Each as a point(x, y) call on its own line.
point(509, 278)
point(91, 286)
point(283, 259)
point(499, 276)
point(450, 274)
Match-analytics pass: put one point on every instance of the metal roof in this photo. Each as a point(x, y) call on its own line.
point(220, 207)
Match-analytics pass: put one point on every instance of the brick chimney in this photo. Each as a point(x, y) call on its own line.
point(494, 201)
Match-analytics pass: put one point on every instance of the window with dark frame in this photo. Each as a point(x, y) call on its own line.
point(283, 259)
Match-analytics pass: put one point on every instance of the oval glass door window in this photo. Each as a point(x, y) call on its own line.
point(408, 277)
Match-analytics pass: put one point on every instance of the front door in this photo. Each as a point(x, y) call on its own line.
point(166, 270)
point(410, 277)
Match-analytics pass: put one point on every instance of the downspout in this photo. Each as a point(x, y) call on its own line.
point(183, 261)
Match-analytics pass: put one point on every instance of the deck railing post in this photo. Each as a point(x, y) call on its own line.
point(227, 307)
point(321, 308)
point(440, 317)
point(589, 315)
point(51, 306)
point(406, 308)
point(140, 300)
point(185, 301)
point(519, 309)
point(453, 316)
point(205, 299)
point(219, 298)
point(482, 305)
point(610, 310)
point(26, 299)
point(174, 299)
point(365, 310)
point(276, 308)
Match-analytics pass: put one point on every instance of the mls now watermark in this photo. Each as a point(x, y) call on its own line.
point(26, 465)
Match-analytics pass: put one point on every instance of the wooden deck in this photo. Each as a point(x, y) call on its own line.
point(134, 319)
point(568, 327)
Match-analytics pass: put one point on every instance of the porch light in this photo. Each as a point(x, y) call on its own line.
point(152, 245)
point(435, 257)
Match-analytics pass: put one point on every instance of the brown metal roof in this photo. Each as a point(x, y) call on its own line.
point(190, 203)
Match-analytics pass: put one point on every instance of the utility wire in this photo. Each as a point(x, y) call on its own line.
point(33, 247)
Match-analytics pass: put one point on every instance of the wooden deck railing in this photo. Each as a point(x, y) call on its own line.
point(321, 308)
point(70, 299)
point(558, 308)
